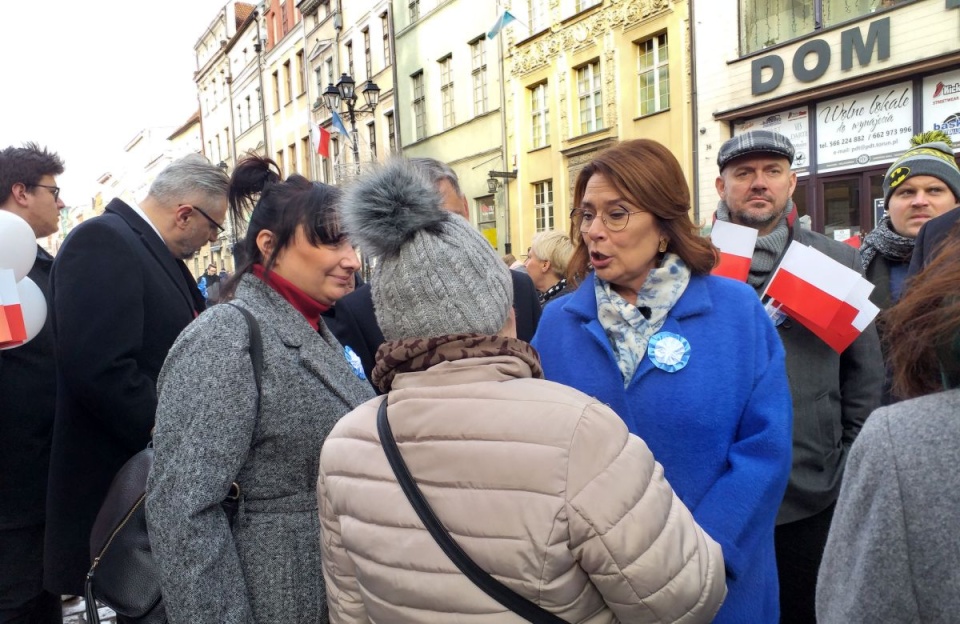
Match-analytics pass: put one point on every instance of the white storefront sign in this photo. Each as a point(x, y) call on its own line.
point(793, 124)
point(941, 104)
point(867, 128)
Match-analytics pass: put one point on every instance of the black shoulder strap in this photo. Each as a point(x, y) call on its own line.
point(492, 587)
point(256, 349)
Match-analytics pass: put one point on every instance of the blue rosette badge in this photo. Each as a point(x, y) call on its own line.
point(355, 363)
point(668, 351)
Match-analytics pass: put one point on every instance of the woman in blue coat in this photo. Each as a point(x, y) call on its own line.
point(691, 362)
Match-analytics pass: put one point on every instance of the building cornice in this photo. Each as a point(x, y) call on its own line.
point(540, 50)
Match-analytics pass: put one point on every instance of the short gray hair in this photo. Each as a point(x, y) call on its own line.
point(437, 172)
point(189, 175)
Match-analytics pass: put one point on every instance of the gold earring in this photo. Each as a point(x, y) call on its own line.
point(663, 244)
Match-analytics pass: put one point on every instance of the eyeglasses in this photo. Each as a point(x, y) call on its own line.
point(207, 217)
point(53, 189)
point(615, 220)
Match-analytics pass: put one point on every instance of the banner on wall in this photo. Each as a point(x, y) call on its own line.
point(793, 124)
point(867, 128)
point(941, 104)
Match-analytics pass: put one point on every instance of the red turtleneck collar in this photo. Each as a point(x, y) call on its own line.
point(310, 308)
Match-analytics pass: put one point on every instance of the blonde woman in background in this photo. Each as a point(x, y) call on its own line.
point(546, 264)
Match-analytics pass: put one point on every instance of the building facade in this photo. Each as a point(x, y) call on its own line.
point(849, 81)
point(354, 40)
point(585, 74)
point(448, 99)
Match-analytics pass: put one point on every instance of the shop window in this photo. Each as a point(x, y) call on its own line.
point(764, 23)
point(653, 75)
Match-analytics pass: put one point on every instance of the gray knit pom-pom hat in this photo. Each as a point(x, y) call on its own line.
point(435, 274)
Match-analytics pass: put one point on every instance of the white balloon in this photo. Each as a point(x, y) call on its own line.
point(34, 307)
point(18, 245)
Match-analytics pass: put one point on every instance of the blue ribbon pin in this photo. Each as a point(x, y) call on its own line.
point(668, 351)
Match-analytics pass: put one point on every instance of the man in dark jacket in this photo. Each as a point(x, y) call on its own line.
point(355, 324)
point(209, 285)
point(930, 239)
point(28, 387)
point(121, 296)
point(832, 393)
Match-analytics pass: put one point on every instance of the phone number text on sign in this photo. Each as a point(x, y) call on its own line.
point(869, 127)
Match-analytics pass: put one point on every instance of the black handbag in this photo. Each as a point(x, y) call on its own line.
point(510, 599)
point(123, 574)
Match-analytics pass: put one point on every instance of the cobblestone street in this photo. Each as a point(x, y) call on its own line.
point(74, 612)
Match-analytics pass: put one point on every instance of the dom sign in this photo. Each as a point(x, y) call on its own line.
point(851, 43)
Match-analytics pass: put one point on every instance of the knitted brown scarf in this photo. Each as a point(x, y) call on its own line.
point(417, 354)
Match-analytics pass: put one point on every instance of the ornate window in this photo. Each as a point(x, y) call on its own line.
point(543, 205)
point(591, 101)
point(539, 116)
point(653, 75)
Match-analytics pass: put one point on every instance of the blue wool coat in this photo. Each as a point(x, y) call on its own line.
point(721, 426)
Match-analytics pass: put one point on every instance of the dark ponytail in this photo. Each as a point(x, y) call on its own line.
point(261, 200)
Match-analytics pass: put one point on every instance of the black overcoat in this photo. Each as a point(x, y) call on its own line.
point(120, 299)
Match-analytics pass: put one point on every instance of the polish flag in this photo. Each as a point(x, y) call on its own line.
point(12, 328)
point(811, 283)
point(736, 244)
point(826, 297)
point(322, 139)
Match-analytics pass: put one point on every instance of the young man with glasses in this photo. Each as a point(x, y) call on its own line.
point(121, 296)
point(28, 388)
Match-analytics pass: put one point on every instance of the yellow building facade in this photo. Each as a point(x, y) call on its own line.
point(583, 76)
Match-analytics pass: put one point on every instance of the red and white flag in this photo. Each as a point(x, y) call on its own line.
point(826, 297)
point(736, 244)
point(322, 139)
point(12, 328)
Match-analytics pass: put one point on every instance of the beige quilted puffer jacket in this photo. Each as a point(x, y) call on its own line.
point(540, 484)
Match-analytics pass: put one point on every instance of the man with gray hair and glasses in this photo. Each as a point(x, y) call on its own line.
point(355, 325)
point(121, 295)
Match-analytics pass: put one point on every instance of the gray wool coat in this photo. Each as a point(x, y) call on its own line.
point(266, 568)
point(893, 553)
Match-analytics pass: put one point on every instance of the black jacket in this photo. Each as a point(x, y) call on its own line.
point(355, 325)
point(120, 299)
point(930, 238)
point(28, 390)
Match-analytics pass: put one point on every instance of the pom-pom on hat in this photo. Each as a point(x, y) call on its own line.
point(435, 274)
point(931, 155)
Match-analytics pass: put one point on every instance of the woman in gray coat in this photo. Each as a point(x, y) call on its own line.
point(265, 567)
point(893, 553)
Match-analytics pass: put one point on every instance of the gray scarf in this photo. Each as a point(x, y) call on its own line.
point(768, 248)
point(884, 241)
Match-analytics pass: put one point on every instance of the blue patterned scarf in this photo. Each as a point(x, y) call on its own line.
point(627, 326)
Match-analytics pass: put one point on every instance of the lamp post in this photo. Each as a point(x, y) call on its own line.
point(345, 92)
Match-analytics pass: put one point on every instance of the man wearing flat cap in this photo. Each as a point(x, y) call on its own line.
point(832, 393)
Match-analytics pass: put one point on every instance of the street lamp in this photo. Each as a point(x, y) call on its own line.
point(345, 92)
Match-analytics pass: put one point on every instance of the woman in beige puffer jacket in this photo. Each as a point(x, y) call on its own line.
point(542, 486)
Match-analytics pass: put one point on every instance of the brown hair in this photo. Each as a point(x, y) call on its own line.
point(647, 174)
point(922, 331)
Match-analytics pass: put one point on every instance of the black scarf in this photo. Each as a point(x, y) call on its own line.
point(884, 241)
